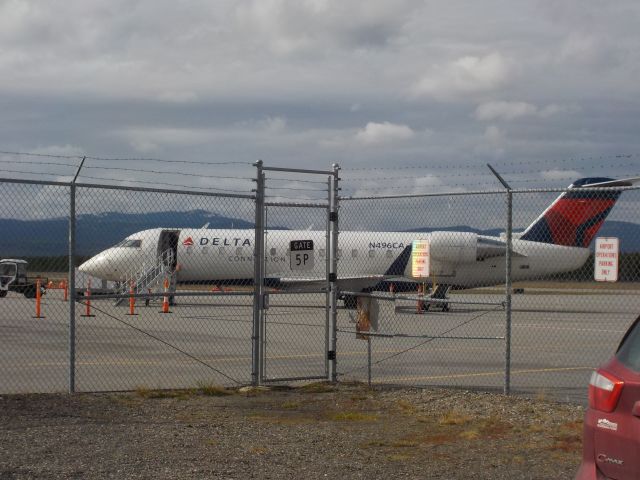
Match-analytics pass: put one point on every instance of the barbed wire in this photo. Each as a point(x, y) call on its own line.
point(405, 187)
point(487, 174)
point(166, 184)
point(49, 155)
point(296, 189)
point(142, 159)
point(296, 198)
point(4, 170)
point(27, 162)
point(120, 159)
point(294, 180)
point(495, 164)
point(139, 170)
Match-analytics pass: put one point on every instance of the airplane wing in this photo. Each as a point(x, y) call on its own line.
point(359, 282)
point(344, 283)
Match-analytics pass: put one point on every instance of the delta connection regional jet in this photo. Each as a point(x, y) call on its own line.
point(557, 241)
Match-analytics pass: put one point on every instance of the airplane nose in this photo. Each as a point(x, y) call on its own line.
point(95, 266)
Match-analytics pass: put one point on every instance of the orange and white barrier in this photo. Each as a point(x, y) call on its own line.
point(165, 299)
point(38, 299)
point(87, 301)
point(132, 299)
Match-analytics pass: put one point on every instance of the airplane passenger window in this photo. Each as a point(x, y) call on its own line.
point(354, 253)
point(222, 251)
point(272, 252)
point(339, 253)
point(372, 253)
point(239, 251)
point(321, 252)
point(524, 267)
point(389, 253)
point(205, 250)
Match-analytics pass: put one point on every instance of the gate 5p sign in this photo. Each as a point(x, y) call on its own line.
point(301, 256)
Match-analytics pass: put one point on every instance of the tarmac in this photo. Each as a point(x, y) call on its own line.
point(557, 339)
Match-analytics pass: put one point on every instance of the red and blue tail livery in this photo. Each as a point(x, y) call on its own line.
point(576, 215)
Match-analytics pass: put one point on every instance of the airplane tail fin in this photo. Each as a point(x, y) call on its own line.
point(576, 216)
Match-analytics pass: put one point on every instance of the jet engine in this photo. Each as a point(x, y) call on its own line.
point(453, 247)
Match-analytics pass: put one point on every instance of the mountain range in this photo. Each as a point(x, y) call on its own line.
point(49, 237)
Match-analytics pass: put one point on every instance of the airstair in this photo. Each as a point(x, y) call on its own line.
point(150, 278)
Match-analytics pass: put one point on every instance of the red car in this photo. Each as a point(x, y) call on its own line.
point(611, 445)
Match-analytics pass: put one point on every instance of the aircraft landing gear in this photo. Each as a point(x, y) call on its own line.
point(440, 293)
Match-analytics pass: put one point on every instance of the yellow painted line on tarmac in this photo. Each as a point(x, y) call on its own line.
point(204, 358)
point(484, 374)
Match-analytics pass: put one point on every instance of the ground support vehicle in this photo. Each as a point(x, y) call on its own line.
point(13, 278)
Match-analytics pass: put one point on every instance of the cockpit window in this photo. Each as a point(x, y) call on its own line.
point(128, 243)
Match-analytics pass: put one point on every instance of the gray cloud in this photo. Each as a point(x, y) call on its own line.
point(533, 87)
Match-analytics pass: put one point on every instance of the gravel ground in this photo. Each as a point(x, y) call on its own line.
point(314, 432)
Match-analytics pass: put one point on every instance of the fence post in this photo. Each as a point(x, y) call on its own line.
point(333, 274)
point(507, 360)
point(72, 281)
point(509, 249)
point(258, 280)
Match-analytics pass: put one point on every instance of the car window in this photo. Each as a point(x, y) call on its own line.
point(7, 269)
point(629, 351)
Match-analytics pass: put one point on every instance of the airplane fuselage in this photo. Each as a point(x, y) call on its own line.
point(216, 255)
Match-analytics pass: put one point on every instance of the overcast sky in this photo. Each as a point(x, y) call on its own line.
point(426, 91)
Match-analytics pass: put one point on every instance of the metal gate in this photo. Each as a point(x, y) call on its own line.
point(295, 287)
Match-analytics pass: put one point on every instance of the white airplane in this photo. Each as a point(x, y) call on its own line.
point(557, 241)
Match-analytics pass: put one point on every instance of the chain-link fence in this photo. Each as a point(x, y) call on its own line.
point(162, 288)
point(167, 289)
point(530, 319)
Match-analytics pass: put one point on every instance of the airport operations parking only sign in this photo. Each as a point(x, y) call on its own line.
point(420, 256)
point(301, 255)
point(606, 259)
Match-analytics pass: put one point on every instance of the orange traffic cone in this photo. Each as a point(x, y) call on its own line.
point(165, 299)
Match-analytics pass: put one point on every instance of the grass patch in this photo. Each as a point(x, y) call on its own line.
point(470, 434)
point(318, 387)
point(405, 406)
point(569, 439)
point(398, 457)
point(291, 405)
point(404, 444)
point(536, 428)
point(455, 418)
point(211, 390)
point(149, 393)
point(494, 427)
point(353, 417)
point(375, 443)
point(438, 438)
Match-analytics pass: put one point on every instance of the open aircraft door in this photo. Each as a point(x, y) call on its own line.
point(168, 248)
